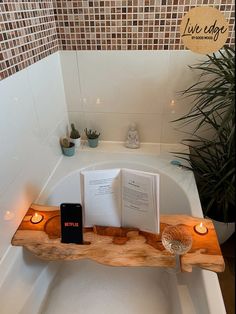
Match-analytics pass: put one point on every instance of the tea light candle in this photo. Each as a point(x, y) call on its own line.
point(36, 218)
point(201, 229)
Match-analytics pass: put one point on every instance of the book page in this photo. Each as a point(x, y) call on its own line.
point(140, 200)
point(102, 197)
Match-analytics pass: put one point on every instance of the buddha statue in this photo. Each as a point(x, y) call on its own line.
point(132, 140)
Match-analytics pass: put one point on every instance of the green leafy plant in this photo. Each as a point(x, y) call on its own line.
point(212, 158)
point(214, 93)
point(91, 134)
point(74, 132)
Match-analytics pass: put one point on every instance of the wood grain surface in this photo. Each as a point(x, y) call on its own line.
point(118, 246)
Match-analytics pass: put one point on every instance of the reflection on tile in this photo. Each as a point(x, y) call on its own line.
point(123, 81)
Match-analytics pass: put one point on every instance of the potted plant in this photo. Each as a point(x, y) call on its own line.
point(68, 148)
point(92, 136)
point(74, 135)
point(212, 157)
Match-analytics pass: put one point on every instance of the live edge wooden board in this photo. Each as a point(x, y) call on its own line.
point(118, 246)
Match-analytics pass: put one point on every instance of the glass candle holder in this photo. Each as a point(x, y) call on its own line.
point(176, 239)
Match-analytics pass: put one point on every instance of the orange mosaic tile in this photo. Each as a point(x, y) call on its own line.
point(31, 30)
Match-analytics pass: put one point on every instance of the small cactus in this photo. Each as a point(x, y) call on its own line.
point(74, 132)
point(91, 134)
point(65, 142)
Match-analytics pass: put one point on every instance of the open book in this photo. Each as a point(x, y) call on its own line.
point(121, 197)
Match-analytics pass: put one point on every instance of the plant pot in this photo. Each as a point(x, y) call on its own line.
point(223, 230)
point(76, 141)
point(69, 151)
point(93, 142)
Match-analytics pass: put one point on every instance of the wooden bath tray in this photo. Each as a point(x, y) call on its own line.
point(118, 246)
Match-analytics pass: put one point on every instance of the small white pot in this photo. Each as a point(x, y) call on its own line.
point(76, 141)
point(223, 230)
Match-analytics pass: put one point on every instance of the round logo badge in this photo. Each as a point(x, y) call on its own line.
point(204, 30)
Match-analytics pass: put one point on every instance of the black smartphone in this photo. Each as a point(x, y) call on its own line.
point(71, 223)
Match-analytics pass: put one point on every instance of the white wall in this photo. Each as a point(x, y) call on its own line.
point(33, 116)
point(108, 90)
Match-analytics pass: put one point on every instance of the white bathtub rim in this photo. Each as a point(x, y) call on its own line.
point(39, 291)
point(213, 293)
point(7, 262)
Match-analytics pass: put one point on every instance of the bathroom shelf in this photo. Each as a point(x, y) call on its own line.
point(118, 246)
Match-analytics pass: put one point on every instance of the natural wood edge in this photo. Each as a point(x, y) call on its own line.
point(209, 262)
point(119, 246)
point(110, 257)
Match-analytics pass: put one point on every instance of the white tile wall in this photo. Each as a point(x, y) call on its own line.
point(122, 82)
point(108, 90)
point(33, 116)
point(71, 80)
point(16, 129)
point(46, 84)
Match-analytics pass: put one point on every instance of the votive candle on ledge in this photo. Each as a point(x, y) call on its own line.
point(200, 229)
point(36, 218)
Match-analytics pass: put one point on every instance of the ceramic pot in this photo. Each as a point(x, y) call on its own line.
point(69, 151)
point(223, 230)
point(93, 142)
point(76, 141)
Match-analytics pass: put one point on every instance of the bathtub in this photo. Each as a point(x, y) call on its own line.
point(86, 287)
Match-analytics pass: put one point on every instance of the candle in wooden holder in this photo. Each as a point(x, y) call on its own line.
point(201, 229)
point(36, 218)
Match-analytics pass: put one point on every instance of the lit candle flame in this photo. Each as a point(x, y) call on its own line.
point(36, 218)
point(201, 228)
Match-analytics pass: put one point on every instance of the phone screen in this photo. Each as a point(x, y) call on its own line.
point(71, 223)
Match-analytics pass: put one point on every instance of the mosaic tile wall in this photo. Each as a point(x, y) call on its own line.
point(27, 34)
point(128, 25)
point(31, 30)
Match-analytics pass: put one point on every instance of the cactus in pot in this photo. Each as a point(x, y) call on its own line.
point(75, 135)
point(68, 148)
point(92, 136)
